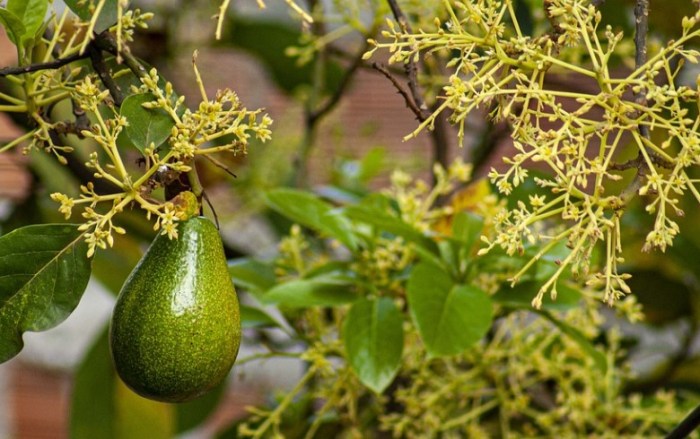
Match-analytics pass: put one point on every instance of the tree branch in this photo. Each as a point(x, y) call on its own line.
point(98, 63)
point(686, 427)
point(641, 14)
point(55, 64)
point(342, 87)
point(410, 66)
point(406, 96)
point(438, 136)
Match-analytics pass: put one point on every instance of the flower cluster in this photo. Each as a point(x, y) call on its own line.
point(194, 133)
point(576, 134)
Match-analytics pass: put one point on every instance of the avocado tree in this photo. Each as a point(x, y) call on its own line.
point(511, 305)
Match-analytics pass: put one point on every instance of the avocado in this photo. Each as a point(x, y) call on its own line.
point(176, 329)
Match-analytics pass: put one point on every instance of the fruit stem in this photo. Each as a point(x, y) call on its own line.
point(195, 184)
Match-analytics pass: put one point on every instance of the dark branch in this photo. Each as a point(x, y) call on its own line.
point(345, 82)
point(406, 96)
point(641, 15)
point(410, 66)
point(624, 166)
point(106, 42)
point(98, 63)
point(687, 426)
point(55, 64)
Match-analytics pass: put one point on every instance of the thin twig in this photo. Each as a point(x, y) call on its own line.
point(105, 41)
point(98, 63)
point(438, 135)
point(410, 66)
point(219, 165)
point(213, 210)
point(342, 87)
point(406, 96)
point(7, 71)
point(641, 17)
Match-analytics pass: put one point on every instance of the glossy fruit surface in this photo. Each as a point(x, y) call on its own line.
point(175, 329)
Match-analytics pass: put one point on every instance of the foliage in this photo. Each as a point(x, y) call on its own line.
point(411, 307)
point(453, 362)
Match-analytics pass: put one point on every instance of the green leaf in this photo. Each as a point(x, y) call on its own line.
point(333, 268)
point(13, 26)
point(192, 413)
point(92, 398)
point(252, 275)
point(146, 126)
point(142, 418)
point(256, 318)
point(86, 9)
point(373, 338)
point(450, 318)
point(103, 407)
point(466, 228)
point(676, 302)
point(376, 210)
point(318, 291)
point(309, 210)
point(371, 164)
point(521, 296)
point(44, 271)
point(585, 344)
point(31, 13)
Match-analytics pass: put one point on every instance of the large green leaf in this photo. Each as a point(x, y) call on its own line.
point(466, 228)
point(309, 210)
point(44, 271)
point(373, 337)
point(675, 303)
point(31, 13)
point(192, 413)
point(85, 9)
point(102, 407)
point(450, 318)
point(376, 210)
point(92, 400)
point(146, 126)
point(521, 295)
point(254, 276)
point(319, 291)
point(139, 417)
point(256, 318)
point(598, 357)
point(13, 26)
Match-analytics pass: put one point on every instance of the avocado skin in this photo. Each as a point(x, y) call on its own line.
point(175, 329)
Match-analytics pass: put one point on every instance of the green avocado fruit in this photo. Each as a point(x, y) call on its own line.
point(176, 329)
